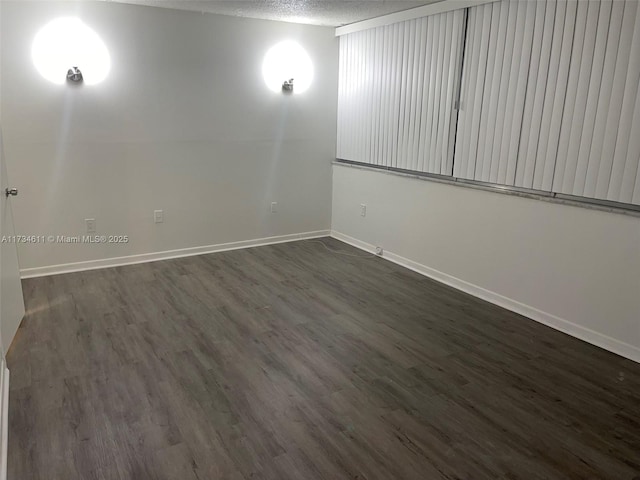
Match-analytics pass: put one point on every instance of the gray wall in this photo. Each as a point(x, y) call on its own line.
point(575, 269)
point(184, 123)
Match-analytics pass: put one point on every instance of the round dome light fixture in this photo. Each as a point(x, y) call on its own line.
point(287, 67)
point(66, 43)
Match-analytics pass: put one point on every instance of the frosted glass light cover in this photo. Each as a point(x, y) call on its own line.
point(68, 42)
point(284, 61)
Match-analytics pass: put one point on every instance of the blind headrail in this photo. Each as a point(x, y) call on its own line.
point(418, 12)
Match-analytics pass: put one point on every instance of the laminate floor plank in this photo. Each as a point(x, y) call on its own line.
point(306, 360)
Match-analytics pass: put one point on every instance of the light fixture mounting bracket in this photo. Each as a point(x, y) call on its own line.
point(287, 86)
point(74, 75)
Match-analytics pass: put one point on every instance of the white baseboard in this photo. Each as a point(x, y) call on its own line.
point(166, 255)
point(603, 341)
point(4, 440)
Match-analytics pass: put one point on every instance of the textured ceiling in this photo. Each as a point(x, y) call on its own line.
point(332, 13)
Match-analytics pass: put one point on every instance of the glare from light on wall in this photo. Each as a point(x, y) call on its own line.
point(68, 42)
point(285, 61)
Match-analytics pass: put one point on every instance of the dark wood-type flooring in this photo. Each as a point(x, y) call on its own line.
point(292, 362)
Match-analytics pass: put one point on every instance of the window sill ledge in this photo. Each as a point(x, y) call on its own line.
point(583, 202)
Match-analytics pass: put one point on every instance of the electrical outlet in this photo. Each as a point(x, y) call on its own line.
point(363, 210)
point(90, 224)
point(274, 207)
point(158, 216)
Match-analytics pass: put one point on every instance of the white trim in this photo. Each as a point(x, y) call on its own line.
point(4, 442)
point(595, 338)
point(166, 255)
point(418, 12)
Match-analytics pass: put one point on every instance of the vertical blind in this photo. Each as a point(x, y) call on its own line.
point(397, 86)
point(493, 91)
point(549, 96)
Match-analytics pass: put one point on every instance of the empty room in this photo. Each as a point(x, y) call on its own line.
point(320, 240)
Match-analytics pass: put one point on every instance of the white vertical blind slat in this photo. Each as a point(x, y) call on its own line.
point(498, 129)
point(434, 154)
point(483, 29)
point(634, 153)
point(445, 107)
point(515, 122)
point(613, 122)
point(571, 110)
point(357, 92)
point(631, 185)
point(411, 63)
point(489, 107)
point(538, 65)
point(507, 84)
point(453, 85)
point(567, 164)
point(388, 95)
point(598, 77)
point(535, 98)
point(376, 48)
point(461, 163)
point(418, 88)
point(553, 79)
point(397, 87)
point(369, 95)
point(484, 169)
point(341, 77)
point(604, 99)
point(428, 133)
point(622, 172)
point(424, 101)
point(414, 111)
point(404, 88)
point(566, 32)
point(351, 120)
